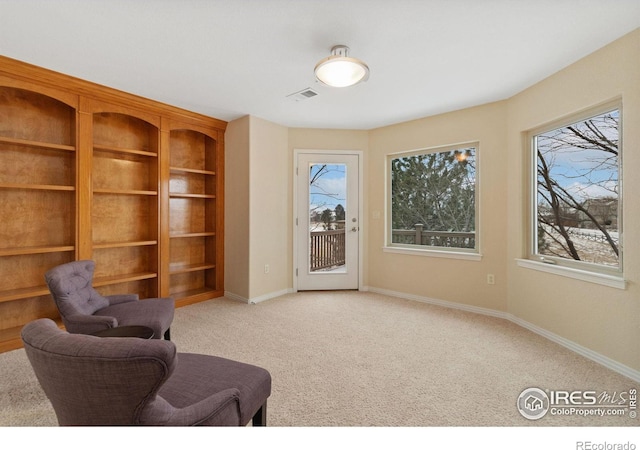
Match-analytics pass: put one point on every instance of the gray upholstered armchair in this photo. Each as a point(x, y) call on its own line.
point(83, 310)
point(129, 381)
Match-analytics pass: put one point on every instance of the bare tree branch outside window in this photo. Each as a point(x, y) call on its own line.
point(578, 191)
point(327, 194)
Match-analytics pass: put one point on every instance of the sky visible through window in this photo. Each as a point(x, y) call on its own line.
point(584, 172)
point(328, 185)
point(578, 190)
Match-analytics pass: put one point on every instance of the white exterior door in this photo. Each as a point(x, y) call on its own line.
point(327, 237)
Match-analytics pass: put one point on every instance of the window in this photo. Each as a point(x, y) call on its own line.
point(433, 199)
point(577, 202)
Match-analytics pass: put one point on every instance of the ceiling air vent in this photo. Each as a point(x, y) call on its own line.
point(302, 95)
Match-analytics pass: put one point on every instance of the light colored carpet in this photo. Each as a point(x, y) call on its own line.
point(362, 359)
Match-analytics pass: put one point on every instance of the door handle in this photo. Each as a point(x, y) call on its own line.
point(354, 229)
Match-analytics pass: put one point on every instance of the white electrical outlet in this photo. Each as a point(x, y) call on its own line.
point(491, 279)
point(266, 268)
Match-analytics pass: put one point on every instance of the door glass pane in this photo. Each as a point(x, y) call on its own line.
point(327, 214)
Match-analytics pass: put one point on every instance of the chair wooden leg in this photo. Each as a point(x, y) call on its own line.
point(260, 417)
point(167, 334)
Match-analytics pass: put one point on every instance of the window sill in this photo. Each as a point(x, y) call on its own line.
point(568, 272)
point(433, 253)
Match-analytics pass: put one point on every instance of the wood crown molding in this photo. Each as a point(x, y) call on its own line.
point(72, 85)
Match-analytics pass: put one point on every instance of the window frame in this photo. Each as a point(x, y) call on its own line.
point(582, 270)
point(428, 250)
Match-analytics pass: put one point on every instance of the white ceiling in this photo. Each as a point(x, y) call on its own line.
point(229, 58)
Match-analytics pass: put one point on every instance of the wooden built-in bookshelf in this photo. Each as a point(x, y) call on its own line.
point(195, 225)
point(88, 172)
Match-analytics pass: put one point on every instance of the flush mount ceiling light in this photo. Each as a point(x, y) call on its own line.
point(339, 70)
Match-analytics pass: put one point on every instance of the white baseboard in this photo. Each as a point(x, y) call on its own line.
point(444, 303)
point(579, 349)
point(583, 351)
point(254, 300)
point(235, 297)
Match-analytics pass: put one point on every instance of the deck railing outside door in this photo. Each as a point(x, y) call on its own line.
point(327, 249)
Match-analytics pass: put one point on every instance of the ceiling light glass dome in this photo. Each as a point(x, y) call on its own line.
point(340, 70)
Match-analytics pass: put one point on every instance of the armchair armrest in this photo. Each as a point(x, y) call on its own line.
point(122, 298)
point(84, 324)
point(213, 410)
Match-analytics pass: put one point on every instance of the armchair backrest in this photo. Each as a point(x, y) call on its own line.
point(100, 381)
point(71, 288)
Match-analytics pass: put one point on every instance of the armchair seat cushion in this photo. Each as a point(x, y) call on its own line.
point(203, 375)
point(155, 313)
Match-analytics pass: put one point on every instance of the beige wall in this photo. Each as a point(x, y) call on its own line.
point(602, 319)
point(236, 217)
point(257, 190)
point(270, 189)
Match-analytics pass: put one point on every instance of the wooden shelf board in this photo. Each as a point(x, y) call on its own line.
point(181, 195)
point(192, 235)
point(10, 337)
point(186, 170)
point(116, 279)
point(128, 151)
point(185, 298)
point(124, 192)
point(17, 294)
point(175, 269)
point(35, 250)
point(102, 245)
point(41, 187)
point(45, 145)
point(11, 343)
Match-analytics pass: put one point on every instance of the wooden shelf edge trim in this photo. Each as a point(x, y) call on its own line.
point(116, 279)
point(38, 187)
point(13, 343)
point(192, 235)
point(36, 250)
point(175, 269)
point(104, 245)
point(187, 170)
point(181, 195)
point(124, 192)
point(18, 294)
point(195, 296)
point(128, 151)
point(10, 338)
point(38, 144)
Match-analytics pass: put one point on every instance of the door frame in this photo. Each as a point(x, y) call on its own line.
point(359, 154)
